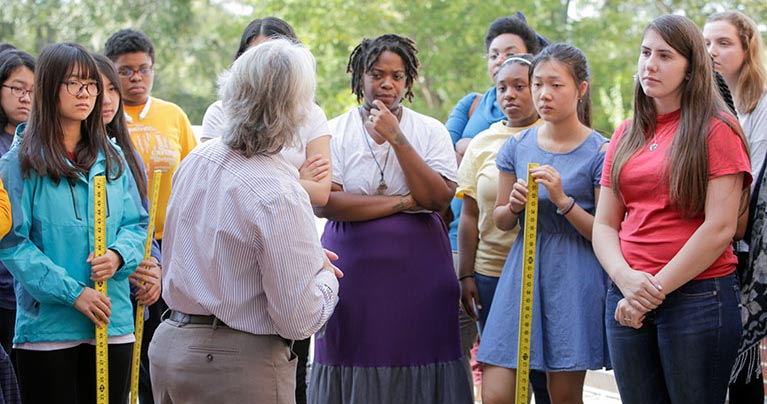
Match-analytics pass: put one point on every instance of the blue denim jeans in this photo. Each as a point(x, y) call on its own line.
point(685, 349)
point(486, 288)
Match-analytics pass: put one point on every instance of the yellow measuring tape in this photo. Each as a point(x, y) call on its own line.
point(136, 365)
point(526, 297)
point(100, 248)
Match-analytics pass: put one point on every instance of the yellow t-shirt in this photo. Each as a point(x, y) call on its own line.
point(478, 179)
point(163, 138)
point(5, 211)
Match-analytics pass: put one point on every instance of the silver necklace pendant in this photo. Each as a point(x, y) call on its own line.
point(653, 146)
point(382, 187)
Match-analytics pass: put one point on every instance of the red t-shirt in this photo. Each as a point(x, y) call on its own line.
point(654, 231)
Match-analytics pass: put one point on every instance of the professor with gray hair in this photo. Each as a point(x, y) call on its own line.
point(262, 278)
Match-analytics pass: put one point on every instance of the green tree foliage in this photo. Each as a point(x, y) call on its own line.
point(196, 39)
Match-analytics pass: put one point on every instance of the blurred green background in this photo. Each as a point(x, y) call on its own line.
point(196, 39)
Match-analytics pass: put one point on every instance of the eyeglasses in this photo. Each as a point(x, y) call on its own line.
point(18, 91)
point(127, 72)
point(493, 57)
point(75, 88)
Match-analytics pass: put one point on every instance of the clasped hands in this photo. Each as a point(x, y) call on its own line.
point(641, 293)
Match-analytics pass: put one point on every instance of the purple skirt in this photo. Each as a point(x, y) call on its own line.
point(394, 335)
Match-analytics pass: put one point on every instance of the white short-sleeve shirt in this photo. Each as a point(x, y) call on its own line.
point(352, 151)
point(214, 123)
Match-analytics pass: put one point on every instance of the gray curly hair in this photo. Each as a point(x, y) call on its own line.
point(267, 95)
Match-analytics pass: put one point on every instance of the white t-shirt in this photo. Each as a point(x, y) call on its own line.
point(355, 169)
point(755, 128)
point(214, 123)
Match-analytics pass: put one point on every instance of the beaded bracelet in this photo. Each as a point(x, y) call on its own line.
point(567, 208)
point(462, 277)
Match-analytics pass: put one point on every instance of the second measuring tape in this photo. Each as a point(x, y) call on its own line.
point(139, 325)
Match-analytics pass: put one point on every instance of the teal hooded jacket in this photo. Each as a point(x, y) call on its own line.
point(50, 240)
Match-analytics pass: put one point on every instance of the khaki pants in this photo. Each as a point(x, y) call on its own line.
point(201, 364)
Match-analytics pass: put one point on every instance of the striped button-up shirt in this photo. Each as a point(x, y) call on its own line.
point(240, 243)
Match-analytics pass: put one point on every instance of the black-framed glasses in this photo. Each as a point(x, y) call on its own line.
point(128, 72)
point(19, 91)
point(493, 57)
point(75, 88)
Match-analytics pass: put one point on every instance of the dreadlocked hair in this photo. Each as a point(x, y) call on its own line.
point(724, 91)
point(366, 55)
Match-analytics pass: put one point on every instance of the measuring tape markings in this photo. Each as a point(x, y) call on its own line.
point(139, 324)
point(100, 248)
point(526, 292)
